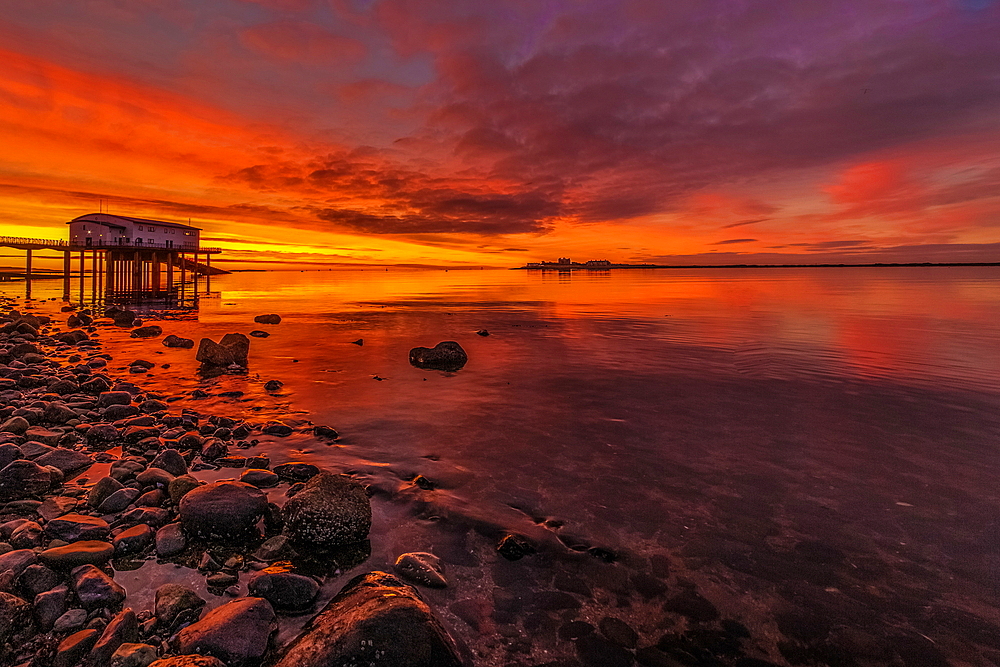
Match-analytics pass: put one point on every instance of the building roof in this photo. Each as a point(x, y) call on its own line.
point(114, 221)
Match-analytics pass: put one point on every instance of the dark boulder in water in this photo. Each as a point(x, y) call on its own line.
point(375, 619)
point(177, 341)
point(268, 319)
point(257, 333)
point(236, 632)
point(234, 348)
point(330, 511)
point(222, 509)
point(445, 356)
point(148, 331)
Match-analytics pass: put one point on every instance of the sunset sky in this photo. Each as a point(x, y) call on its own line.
point(457, 133)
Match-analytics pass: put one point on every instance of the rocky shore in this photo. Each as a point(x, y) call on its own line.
point(96, 477)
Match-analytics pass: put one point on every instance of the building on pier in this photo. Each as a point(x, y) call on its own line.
point(104, 229)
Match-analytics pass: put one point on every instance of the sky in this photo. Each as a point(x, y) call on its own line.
point(322, 133)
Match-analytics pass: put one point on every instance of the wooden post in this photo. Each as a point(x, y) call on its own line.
point(109, 271)
point(171, 256)
point(93, 276)
point(208, 272)
point(156, 274)
point(27, 273)
point(83, 274)
point(66, 271)
point(196, 272)
point(137, 274)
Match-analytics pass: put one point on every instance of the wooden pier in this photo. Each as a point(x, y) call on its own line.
point(122, 271)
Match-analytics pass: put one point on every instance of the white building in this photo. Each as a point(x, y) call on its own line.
point(104, 229)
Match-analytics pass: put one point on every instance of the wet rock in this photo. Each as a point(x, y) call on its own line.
point(132, 654)
point(173, 599)
point(58, 412)
point(124, 318)
point(116, 412)
point(27, 536)
point(152, 516)
point(445, 356)
point(133, 540)
point(514, 547)
point(180, 487)
point(96, 589)
point(327, 432)
point(109, 398)
point(330, 511)
point(422, 568)
point(222, 509)
point(126, 469)
point(74, 648)
point(23, 479)
point(618, 632)
point(234, 348)
point(151, 406)
point(37, 579)
point(259, 334)
point(124, 627)
point(177, 341)
point(63, 387)
point(119, 500)
point(296, 471)
point(148, 331)
point(66, 460)
point(277, 428)
point(71, 620)
point(268, 319)
point(284, 590)
point(691, 604)
point(359, 342)
point(482, 332)
point(154, 498)
point(273, 385)
point(214, 448)
point(262, 479)
point(236, 632)
point(76, 527)
point(170, 540)
point(67, 557)
point(221, 579)
point(15, 425)
point(154, 477)
point(45, 436)
point(189, 661)
point(272, 549)
point(9, 453)
point(375, 619)
point(49, 606)
point(171, 461)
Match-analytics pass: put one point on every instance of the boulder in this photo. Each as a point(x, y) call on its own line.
point(297, 471)
point(23, 479)
point(15, 425)
point(74, 648)
point(283, 589)
point(181, 486)
point(66, 460)
point(268, 319)
point(50, 605)
point(103, 488)
point(133, 654)
point(171, 461)
point(262, 479)
point(171, 600)
point(375, 619)
point(234, 348)
point(422, 568)
point(133, 540)
point(9, 453)
point(330, 511)
point(124, 318)
point(177, 341)
point(237, 632)
point(227, 510)
point(45, 436)
point(76, 527)
point(188, 661)
point(170, 540)
point(108, 398)
point(445, 356)
point(257, 333)
point(69, 556)
point(96, 589)
point(124, 627)
point(148, 331)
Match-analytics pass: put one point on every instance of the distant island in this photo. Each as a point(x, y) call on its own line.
point(565, 264)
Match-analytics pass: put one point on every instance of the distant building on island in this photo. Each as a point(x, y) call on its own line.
point(564, 263)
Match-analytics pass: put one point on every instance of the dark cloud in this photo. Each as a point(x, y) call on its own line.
point(745, 222)
point(729, 241)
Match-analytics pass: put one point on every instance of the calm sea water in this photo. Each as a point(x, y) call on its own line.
point(812, 451)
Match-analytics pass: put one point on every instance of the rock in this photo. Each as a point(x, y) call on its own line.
point(234, 348)
point(148, 331)
point(514, 547)
point(96, 589)
point(109, 398)
point(236, 632)
point(325, 432)
point(482, 332)
point(221, 579)
point(154, 477)
point(66, 460)
point(359, 342)
point(71, 620)
point(150, 407)
point(58, 412)
point(189, 661)
point(170, 540)
point(267, 319)
point(262, 479)
point(9, 453)
point(133, 540)
point(284, 590)
point(45, 436)
point(177, 341)
point(296, 471)
point(277, 428)
point(116, 412)
point(375, 619)
point(37, 579)
point(124, 318)
point(228, 510)
point(76, 527)
point(49, 606)
point(171, 600)
point(422, 568)
point(445, 356)
point(101, 490)
point(27, 536)
point(330, 511)
point(272, 549)
point(88, 552)
point(16, 623)
point(63, 387)
point(132, 654)
point(180, 487)
point(119, 500)
point(126, 469)
point(259, 334)
point(124, 627)
point(15, 425)
point(74, 648)
point(171, 461)
point(22, 479)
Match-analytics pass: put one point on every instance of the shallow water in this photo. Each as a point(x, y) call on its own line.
point(813, 451)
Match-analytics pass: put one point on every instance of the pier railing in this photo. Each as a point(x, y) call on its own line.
point(61, 244)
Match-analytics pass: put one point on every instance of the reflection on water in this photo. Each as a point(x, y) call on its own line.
point(811, 453)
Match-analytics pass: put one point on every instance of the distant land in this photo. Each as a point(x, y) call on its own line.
point(601, 265)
